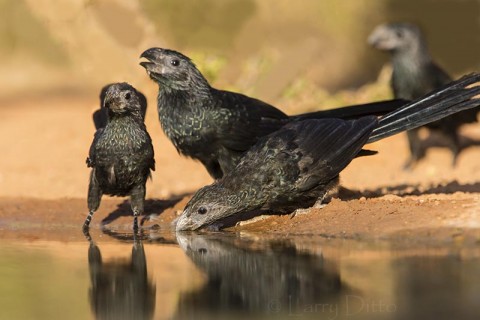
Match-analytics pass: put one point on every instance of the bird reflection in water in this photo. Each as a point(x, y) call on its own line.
point(120, 289)
point(244, 277)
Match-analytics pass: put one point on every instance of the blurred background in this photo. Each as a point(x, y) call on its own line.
point(266, 48)
point(55, 56)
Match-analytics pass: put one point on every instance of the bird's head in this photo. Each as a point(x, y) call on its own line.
point(395, 37)
point(208, 205)
point(122, 98)
point(172, 69)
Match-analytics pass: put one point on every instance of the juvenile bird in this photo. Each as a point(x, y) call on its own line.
point(121, 155)
point(299, 164)
point(414, 75)
point(217, 127)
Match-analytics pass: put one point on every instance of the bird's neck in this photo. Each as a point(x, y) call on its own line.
point(126, 132)
point(177, 110)
point(193, 87)
point(413, 58)
point(130, 116)
point(170, 96)
point(245, 197)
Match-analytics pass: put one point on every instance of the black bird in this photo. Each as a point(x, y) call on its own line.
point(414, 75)
point(299, 164)
point(100, 116)
point(121, 155)
point(214, 126)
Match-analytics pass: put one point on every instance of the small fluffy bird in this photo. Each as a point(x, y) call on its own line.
point(121, 155)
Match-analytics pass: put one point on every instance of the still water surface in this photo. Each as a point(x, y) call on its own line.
point(221, 275)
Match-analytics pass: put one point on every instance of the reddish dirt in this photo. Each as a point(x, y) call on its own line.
point(43, 182)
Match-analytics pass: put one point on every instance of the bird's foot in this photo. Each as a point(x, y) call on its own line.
point(317, 205)
point(250, 221)
point(86, 233)
point(299, 212)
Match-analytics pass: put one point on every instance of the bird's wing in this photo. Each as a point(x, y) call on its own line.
point(151, 165)
point(245, 120)
point(143, 104)
point(100, 118)
point(327, 146)
point(438, 77)
point(91, 152)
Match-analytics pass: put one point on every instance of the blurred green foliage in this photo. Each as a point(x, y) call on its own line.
point(303, 95)
point(209, 65)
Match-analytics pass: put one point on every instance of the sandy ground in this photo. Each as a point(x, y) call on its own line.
point(43, 182)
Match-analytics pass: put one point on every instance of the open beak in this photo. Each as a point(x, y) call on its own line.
point(147, 65)
point(151, 55)
point(152, 65)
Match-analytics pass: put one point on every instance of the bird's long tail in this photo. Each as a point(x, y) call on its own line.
point(378, 108)
point(454, 97)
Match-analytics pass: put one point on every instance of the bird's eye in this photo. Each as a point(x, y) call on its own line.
point(399, 33)
point(202, 210)
point(128, 96)
point(174, 62)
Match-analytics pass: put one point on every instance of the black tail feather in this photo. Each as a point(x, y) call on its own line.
point(379, 108)
point(452, 98)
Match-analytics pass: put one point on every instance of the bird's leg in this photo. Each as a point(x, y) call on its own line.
point(455, 158)
point(137, 199)
point(213, 168)
point(454, 145)
point(86, 233)
point(246, 222)
point(317, 205)
point(135, 221)
point(86, 224)
point(416, 149)
point(93, 200)
point(330, 189)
